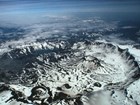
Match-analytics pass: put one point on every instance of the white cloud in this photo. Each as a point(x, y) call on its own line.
point(64, 29)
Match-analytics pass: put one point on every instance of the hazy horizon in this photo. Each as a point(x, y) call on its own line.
point(18, 12)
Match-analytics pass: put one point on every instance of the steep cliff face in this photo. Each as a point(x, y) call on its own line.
point(67, 73)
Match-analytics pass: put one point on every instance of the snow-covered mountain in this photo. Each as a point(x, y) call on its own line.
point(69, 73)
point(70, 61)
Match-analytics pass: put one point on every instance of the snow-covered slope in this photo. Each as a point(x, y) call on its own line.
point(64, 73)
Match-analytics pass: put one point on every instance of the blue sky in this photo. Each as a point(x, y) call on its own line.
point(22, 6)
point(19, 10)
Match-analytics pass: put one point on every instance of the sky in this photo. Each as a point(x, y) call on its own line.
point(34, 10)
point(20, 6)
